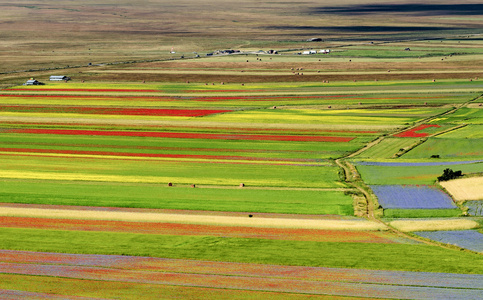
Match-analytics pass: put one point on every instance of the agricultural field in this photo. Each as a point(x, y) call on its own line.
point(168, 168)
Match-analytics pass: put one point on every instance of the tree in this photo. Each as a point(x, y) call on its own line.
point(449, 174)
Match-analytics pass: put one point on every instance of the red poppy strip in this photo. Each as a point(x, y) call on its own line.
point(183, 135)
point(413, 132)
point(113, 110)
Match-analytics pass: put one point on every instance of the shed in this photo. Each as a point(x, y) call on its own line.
point(33, 82)
point(59, 78)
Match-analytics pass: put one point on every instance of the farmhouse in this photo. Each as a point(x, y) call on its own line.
point(32, 81)
point(59, 78)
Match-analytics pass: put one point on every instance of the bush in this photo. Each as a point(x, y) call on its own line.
point(449, 174)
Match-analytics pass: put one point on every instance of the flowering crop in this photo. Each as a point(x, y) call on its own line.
point(113, 110)
point(234, 277)
point(413, 132)
point(412, 197)
point(184, 135)
point(469, 239)
point(297, 234)
point(154, 155)
point(475, 208)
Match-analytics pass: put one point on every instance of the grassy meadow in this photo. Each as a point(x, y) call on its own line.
point(152, 125)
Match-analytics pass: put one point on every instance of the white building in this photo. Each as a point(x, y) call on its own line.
point(32, 81)
point(59, 78)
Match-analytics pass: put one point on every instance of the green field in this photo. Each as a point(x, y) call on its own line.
point(448, 148)
point(388, 148)
point(411, 174)
point(160, 196)
point(355, 255)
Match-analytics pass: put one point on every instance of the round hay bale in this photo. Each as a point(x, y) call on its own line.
point(242, 184)
point(193, 185)
point(170, 184)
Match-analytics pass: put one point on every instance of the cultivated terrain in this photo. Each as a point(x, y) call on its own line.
point(215, 150)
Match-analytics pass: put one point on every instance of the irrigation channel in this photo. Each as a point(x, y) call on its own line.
point(353, 178)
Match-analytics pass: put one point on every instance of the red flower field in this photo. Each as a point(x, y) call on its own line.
point(414, 132)
point(185, 135)
point(193, 229)
point(112, 110)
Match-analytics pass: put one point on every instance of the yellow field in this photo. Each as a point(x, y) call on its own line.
point(465, 188)
point(430, 225)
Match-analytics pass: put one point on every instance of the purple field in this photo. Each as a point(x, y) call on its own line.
point(468, 239)
point(475, 207)
point(412, 197)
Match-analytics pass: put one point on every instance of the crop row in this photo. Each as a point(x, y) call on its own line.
point(242, 282)
point(184, 135)
point(245, 250)
point(336, 236)
point(84, 189)
point(111, 110)
point(395, 173)
point(468, 239)
point(412, 197)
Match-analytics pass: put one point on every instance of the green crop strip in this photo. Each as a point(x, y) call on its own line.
point(176, 197)
point(341, 255)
